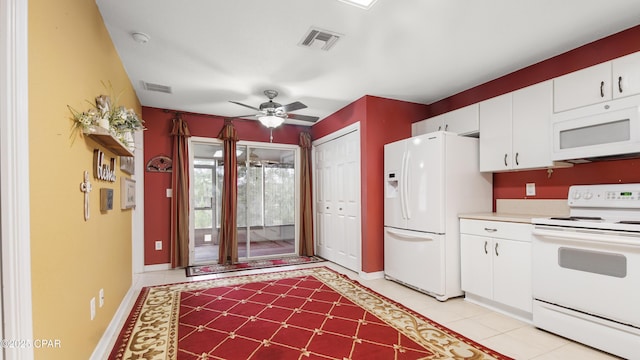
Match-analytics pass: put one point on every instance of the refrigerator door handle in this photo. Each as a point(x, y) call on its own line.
point(406, 185)
point(401, 185)
point(408, 235)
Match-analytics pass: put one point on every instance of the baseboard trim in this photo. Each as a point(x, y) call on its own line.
point(371, 275)
point(107, 341)
point(157, 267)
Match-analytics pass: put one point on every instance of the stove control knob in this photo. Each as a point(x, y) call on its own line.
point(588, 196)
point(576, 195)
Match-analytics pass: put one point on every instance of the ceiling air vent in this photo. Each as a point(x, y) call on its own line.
point(157, 87)
point(319, 39)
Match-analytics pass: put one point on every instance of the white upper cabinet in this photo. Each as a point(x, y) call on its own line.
point(463, 121)
point(603, 82)
point(584, 87)
point(532, 108)
point(495, 134)
point(626, 75)
point(427, 126)
point(514, 129)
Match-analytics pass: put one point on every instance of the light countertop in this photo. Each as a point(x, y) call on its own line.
point(521, 211)
point(508, 217)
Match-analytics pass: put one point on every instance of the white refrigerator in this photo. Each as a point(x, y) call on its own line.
point(429, 180)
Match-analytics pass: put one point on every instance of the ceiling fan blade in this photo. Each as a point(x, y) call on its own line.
point(247, 106)
point(303, 117)
point(294, 106)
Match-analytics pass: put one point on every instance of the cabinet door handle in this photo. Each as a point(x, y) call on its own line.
point(601, 88)
point(517, 163)
point(620, 84)
point(446, 127)
point(327, 208)
point(496, 249)
point(340, 209)
point(490, 230)
point(485, 247)
point(505, 159)
point(439, 127)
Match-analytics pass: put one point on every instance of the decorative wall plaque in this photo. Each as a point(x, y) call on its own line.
point(160, 163)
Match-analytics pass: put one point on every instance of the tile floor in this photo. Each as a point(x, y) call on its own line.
point(494, 330)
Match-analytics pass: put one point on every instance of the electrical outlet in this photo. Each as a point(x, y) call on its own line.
point(101, 298)
point(92, 304)
point(531, 189)
point(169, 193)
point(158, 244)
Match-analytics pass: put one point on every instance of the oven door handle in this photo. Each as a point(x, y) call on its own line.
point(572, 236)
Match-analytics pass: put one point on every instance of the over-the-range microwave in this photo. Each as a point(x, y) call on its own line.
point(602, 131)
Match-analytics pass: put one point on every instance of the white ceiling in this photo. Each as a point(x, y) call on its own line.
point(213, 51)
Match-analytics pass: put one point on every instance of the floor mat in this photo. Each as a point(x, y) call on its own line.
point(254, 264)
point(313, 313)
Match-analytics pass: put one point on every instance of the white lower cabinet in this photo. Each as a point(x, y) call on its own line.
point(496, 263)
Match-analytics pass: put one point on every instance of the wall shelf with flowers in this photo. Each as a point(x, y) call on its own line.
point(109, 125)
point(104, 137)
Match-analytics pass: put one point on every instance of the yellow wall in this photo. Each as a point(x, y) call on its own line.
point(70, 53)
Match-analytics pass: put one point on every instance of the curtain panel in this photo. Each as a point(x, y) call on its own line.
point(179, 246)
point(228, 249)
point(306, 214)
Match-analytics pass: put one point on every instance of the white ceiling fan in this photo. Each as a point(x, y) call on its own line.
point(271, 114)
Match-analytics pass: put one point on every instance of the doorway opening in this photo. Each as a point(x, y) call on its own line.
point(267, 216)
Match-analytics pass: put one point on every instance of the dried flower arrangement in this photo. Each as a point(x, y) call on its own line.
point(118, 120)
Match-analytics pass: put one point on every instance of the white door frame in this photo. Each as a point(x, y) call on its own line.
point(15, 299)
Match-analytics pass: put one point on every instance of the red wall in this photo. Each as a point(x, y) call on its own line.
point(511, 185)
point(611, 47)
point(381, 121)
point(157, 141)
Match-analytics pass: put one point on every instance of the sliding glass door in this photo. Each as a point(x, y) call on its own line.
point(267, 199)
point(206, 189)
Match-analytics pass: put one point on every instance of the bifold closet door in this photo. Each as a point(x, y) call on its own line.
point(337, 174)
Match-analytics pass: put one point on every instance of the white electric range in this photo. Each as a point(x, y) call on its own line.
point(586, 269)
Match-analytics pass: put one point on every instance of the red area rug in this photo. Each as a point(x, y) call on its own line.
point(254, 264)
point(312, 313)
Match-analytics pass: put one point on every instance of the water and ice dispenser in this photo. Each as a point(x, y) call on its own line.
point(391, 184)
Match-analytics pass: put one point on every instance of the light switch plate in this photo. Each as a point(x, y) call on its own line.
point(531, 189)
point(92, 304)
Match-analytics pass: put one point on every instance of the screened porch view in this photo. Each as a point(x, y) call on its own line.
point(266, 201)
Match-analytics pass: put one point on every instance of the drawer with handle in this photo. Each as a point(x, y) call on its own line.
point(497, 229)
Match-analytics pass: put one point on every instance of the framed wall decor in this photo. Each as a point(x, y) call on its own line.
point(106, 199)
point(127, 164)
point(160, 163)
point(127, 193)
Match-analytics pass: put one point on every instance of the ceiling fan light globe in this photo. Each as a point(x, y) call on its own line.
point(271, 121)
